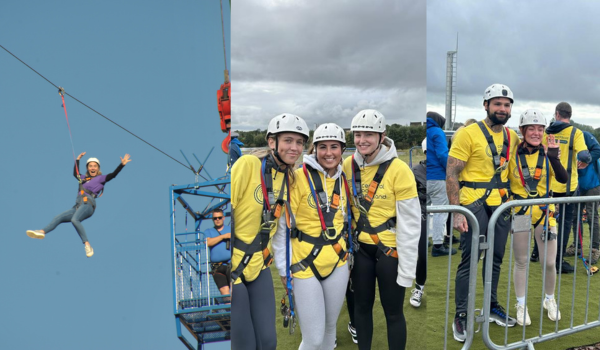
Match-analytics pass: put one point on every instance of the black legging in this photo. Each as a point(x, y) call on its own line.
point(371, 264)
point(253, 314)
point(421, 276)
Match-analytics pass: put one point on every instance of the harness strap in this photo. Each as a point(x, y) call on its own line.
point(364, 204)
point(500, 162)
point(530, 182)
point(271, 213)
point(570, 159)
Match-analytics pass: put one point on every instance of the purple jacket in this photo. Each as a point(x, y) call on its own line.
point(96, 184)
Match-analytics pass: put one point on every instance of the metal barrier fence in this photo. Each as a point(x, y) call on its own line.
point(486, 244)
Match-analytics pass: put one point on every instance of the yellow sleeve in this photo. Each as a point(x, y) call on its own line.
point(461, 146)
point(405, 185)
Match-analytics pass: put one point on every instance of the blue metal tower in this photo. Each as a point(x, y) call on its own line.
point(198, 304)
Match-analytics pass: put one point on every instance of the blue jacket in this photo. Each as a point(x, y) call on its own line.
point(437, 151)
point(234, 150)
point(590, 176)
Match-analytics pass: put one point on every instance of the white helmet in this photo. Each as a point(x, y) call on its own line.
point(424, 145)
point(368, 120)
point(498, 90)
point(288, 123)
point(329, 131)
point(532, 117)
point(92, 160)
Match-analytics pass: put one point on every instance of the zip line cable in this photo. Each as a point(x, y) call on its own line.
point(95, 111)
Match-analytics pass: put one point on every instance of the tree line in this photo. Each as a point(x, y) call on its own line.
point(404, 137)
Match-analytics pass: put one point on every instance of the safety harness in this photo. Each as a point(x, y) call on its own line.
point(530, 182)
point(327, 212)
point(271, 212)
point(500, 162)
point(364, 203)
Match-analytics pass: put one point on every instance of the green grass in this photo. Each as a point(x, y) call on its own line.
point(435, 294)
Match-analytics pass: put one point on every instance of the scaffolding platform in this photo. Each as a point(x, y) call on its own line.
point(198, 303)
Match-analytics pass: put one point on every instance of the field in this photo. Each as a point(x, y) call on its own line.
point(572, 302)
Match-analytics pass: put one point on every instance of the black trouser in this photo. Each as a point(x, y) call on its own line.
point(421, 276)
point(253, 314)
point(564, 222)
point(370, 264)
point(483, 214)
point(350, 302)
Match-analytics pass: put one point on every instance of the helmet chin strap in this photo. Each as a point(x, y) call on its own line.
point(278, 156)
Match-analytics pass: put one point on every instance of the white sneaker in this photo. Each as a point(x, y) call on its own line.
point(89, 251)
point(522, 314)
point(416, 295)
point(36, 234)
point(553, 312)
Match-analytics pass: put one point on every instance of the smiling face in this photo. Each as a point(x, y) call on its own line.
point(498, 110)
point(93, 168)
point(367, 142)
point(533, 134)
point(289, 146)
point(329, 154)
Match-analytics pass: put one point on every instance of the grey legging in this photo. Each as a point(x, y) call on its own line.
point(318, 304)
point(253, 314)
point(80, 211)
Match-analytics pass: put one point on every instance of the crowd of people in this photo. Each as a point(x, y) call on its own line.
point(488, 164)
point(335, 227)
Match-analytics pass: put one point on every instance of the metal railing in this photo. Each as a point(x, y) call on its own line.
point(486, 244)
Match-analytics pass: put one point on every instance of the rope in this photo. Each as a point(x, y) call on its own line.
point(223, 28)
point(61, 93)
point(95, 111)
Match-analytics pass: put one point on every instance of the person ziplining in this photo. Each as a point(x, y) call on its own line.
point(91, 186)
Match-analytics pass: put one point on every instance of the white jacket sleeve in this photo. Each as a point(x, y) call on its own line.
point(278, 244)
point(408, 233)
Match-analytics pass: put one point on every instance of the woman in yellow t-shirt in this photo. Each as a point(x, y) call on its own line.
point(387, 215)
point(530, 177)
point(319, 201)
point(259, 192)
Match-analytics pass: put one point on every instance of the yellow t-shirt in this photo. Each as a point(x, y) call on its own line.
point(578, 145)
point(247, 205)
point(397, 184)
point(471, 147)
point(307, 220)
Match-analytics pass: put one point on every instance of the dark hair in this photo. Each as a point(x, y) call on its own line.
point(564, 110)
point(217, 210)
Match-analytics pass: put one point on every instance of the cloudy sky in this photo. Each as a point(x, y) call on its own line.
point(545, 51)
point(327, 60)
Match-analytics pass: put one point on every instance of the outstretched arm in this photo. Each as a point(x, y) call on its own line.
point(124, 160)
point(455, 166)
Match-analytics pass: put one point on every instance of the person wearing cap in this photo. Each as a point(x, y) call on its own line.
point(387, 222)
point(437, 158)
point(319, 242)
point(91, 185)
point(420, 172)
point(477, 179)
point(531, 169)
point(574, 155)
point(260, 193)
